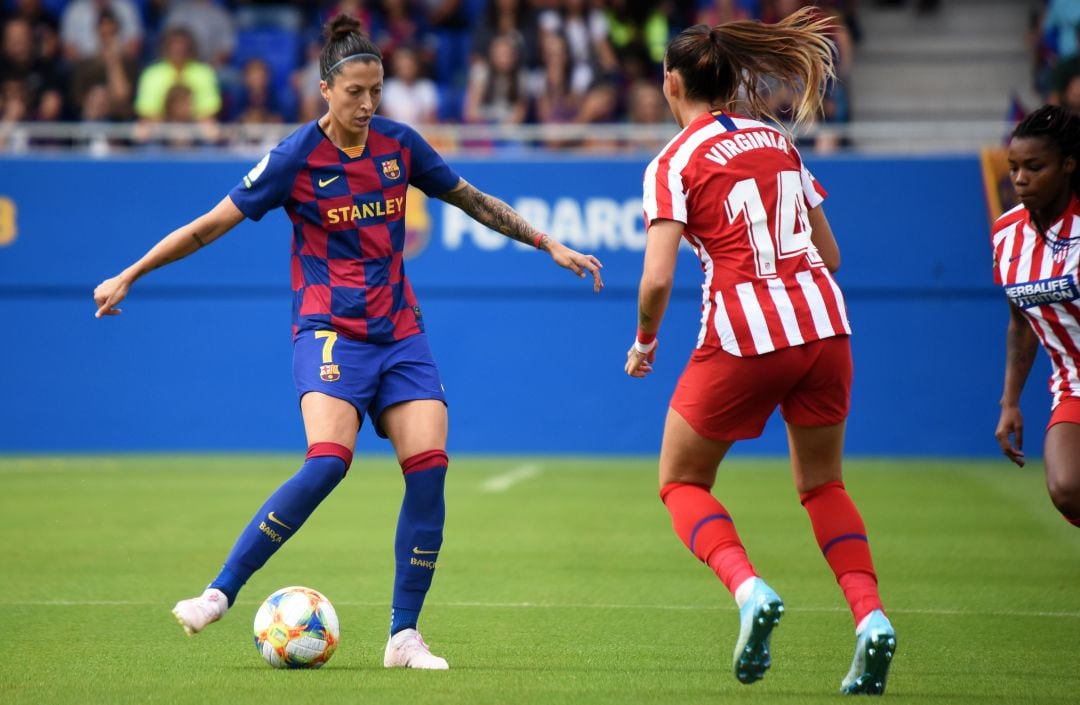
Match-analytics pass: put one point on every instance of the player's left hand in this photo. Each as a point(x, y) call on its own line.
point(639, 364)
point(576, 262)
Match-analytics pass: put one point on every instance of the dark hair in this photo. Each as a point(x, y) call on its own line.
point(344, 37)
point(732, 60)
point(1060, 128)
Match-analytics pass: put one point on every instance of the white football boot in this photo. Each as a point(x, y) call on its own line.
point(196, 613)
point(407, 649)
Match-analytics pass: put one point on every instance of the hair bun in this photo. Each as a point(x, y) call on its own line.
point(342, 26)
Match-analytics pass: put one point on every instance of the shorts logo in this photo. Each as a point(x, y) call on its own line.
point(329, 372)
point(390, 169)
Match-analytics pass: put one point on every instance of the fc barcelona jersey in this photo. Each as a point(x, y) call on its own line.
point(347, 209)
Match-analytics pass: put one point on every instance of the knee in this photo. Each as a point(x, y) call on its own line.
point(331, 452)
point(1065, 494)
point(428, 460)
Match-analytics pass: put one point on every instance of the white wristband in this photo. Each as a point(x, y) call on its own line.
point(644, 349)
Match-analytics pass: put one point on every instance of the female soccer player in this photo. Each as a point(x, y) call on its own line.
point(774, 328)
point(359, 343)
point(1037, 260)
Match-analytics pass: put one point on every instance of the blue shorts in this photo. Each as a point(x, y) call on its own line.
point(370, 376)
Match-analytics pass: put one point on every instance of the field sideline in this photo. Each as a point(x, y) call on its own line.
point(560, 582)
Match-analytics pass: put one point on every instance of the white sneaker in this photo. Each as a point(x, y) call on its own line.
point(407, 649)
point(196, 613)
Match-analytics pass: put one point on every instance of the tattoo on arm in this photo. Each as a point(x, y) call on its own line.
point(644, 319)
point(195, 236)
point(493, 213)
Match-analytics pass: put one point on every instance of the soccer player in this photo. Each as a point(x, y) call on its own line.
point(1037, 260)
point(359, 343)
point(774, 329)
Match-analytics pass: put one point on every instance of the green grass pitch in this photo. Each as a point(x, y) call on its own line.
point(560, 582)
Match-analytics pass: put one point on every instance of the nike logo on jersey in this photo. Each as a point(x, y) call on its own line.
point(1014, 258)
point(418, 551)
point(323, 183)
point(277, 521)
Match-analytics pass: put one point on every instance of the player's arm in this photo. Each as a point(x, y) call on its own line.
point(176, 245)
point(501, 218)
point(821, 235)
point(1021, 346)
point(654, 292)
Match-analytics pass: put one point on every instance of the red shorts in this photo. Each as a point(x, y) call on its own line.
point(1067, 411)
point(729, 398)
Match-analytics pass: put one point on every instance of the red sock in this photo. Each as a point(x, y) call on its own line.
point(706, 528)
point(841, 535)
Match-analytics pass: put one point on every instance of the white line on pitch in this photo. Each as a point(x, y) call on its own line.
point(552, 605)
point(504, 481)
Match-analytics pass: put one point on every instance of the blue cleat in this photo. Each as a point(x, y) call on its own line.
point(874, 651)
point(757, 618)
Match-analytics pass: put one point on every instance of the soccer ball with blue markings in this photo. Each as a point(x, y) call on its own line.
point(296, 627)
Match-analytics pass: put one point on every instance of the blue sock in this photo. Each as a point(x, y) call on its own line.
point(278, 519)
point(419, 536)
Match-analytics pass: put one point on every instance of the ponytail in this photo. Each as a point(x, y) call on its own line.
point(733, 61)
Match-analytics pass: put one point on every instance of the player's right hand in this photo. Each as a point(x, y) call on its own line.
point(639, 364)
point(1010, 428)
point(108, 294)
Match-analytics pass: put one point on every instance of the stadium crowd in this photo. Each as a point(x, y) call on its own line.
point(211, 63)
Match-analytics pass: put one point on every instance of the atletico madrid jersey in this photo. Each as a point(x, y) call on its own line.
point(1039, 272)
point(742, 192)
point(347, 209)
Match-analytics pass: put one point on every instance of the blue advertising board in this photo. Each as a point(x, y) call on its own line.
point(531, 358)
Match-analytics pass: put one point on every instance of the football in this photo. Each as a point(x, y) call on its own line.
point(296, 627)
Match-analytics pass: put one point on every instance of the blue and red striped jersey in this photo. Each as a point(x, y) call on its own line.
point(347, 209)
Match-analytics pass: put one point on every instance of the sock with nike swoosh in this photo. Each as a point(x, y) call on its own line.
point(419, 535)
point(283, 514)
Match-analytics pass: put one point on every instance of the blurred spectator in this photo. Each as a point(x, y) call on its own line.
point(511, 17)
point(714, 12)
point(79, 27)
point(557, 99)
point(109, 70)
point(354, 8)
point(177, 66)
point(32, 86)
point(1070, 96)
point(1066, 67)
point(586, 33)
point(407, 96)
point(305, 81)
point(401, 25)
point(210, 24)
point(1059, 25)
point(14, 108)
point(45, 26)
point(497, 93)
point(180, 108)
point(449, 20)
point(646, 106)
point(639, 24)
point(257, 101)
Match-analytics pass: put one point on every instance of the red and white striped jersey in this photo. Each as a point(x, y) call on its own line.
point(740, 188)
point(1039, 274)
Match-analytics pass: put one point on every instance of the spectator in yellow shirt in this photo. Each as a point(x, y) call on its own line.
point(178, 66)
